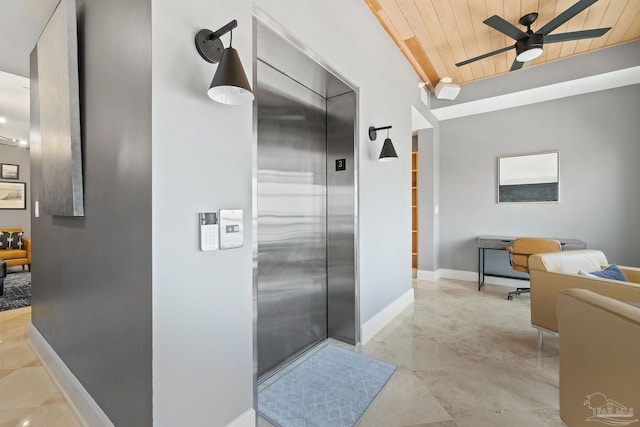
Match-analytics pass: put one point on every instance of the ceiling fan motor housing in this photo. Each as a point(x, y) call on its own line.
point(534, 41)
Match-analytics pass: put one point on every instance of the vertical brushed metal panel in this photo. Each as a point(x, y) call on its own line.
point(341, 207)
point(291, 206)
point(58, 89)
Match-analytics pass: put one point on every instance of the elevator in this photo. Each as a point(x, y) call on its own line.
point(305, 213)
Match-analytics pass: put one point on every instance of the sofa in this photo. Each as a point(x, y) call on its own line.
point(552, 273)
point(599, 360)
point(20, 256)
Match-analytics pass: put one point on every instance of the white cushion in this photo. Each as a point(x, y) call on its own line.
point(572, 262)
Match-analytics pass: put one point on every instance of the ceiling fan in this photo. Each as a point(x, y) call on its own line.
point(529, 44)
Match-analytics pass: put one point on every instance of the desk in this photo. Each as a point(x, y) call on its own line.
point(500, 243)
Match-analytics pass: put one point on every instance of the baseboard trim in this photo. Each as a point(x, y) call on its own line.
point(467, 276)
point(386, 315)
point(472, 276)
point(431, 276)
point(509, 283)
point(247, 419)
point(86, 409)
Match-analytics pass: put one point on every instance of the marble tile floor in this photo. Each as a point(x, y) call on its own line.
point(465, 359)
point(28, 397)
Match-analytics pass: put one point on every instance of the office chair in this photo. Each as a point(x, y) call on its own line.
point(519, 255)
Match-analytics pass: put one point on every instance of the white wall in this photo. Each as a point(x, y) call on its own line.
point(202, 162)
point(202, 306)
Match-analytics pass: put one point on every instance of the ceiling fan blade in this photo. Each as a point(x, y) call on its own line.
point(575, 35)
point(516, 65)
point(486, 55)
point(565, 16)
point(505, 27)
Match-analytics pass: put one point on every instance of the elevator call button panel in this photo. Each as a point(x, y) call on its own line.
point(231, 234)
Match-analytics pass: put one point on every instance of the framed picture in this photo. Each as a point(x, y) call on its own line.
point(529, 178)
point(13, 195)
point(9, 171)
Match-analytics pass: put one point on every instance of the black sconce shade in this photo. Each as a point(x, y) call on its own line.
point(388, 152)
point(229, 85)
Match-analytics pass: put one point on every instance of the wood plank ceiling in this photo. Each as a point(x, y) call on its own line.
point(436, 34)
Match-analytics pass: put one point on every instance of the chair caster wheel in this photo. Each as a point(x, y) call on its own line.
point(510, 297)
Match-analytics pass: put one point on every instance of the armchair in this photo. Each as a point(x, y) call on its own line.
point(599, 354)
point(553, 273)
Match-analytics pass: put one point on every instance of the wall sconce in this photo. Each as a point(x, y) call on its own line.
point(229, 85)
point(388, 153)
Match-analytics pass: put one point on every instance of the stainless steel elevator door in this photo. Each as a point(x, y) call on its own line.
point(291, 212)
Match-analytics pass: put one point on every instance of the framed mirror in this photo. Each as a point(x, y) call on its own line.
point(529, 178)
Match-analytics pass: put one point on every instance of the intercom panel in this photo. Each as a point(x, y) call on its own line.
point(209, 231)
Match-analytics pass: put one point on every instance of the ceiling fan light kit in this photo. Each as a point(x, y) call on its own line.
point(529, 54)
point(446, 89)
point(529, 44)
point(529, 48)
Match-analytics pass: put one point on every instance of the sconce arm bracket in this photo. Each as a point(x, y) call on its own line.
point(224, 30)
point(373, 131)
point(208, 42)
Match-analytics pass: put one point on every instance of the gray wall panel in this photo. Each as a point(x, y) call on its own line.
point(597, 136)
point(92, 275)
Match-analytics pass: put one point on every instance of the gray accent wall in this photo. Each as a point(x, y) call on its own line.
point(17, 218)
point(92, 275)
point(597, 137)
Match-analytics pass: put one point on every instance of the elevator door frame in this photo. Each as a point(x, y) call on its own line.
point(264, 19)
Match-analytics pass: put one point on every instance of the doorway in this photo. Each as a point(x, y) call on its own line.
point(305, 204)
